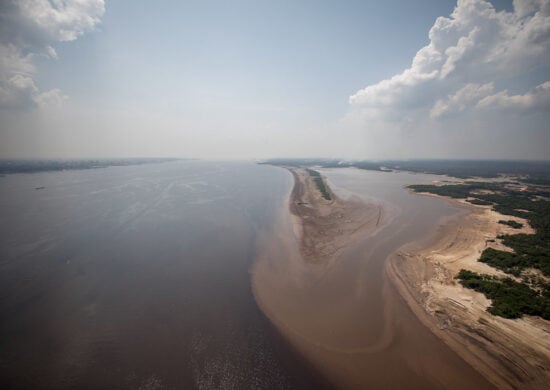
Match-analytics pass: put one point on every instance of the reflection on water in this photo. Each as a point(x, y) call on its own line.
point(129, 277)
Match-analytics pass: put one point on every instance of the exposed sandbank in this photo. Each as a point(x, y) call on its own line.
point(512, 353)
point(325, 287)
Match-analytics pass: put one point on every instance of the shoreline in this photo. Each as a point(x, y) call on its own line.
point(324, 285)
point(508, 352)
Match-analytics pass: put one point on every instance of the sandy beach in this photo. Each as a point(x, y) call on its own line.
point(511, 353)
point(321, 278)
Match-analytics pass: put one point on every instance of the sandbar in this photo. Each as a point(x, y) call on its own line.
point(512, 353)
point(321, 278)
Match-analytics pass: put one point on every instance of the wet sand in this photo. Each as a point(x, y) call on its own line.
point(324, 285)
point(512, 353)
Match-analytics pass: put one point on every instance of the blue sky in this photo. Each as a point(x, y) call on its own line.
point(192, 53)
point(255, 79)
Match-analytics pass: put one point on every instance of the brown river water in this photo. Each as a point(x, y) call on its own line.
point(137, 277)
point(347, 316)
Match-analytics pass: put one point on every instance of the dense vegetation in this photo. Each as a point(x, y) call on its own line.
point(319, 183)
point(511, 223)
point(510, 299)
point(508, 262)
point(313, 173)
point(459, 191)
point(480, 202)
point(530, 250)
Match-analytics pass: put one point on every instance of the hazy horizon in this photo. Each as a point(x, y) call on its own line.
point(434, 79)
point(315, 194)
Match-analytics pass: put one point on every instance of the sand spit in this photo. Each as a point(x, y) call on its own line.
point(325, 227)
point(511, 353)
point(321, 279)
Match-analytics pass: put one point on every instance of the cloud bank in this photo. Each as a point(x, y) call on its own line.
point(478, 62)
point(29, 28)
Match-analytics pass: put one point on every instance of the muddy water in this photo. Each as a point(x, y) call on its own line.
point(346, 317)
point(138, 277)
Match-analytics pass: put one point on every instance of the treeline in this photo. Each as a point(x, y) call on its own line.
point(511, 223)
point(530, 250)
point(510, 298)
point(319, 183)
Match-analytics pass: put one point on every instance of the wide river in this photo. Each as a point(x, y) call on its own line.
point(139, 276)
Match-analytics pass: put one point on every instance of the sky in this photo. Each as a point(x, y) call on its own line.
point(259, 79)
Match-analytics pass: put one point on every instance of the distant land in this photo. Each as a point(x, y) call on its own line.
point(47, 165)
point(537, 172)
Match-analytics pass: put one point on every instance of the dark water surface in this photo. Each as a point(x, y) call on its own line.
point(138, 277)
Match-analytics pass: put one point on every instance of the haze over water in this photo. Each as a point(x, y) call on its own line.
point(139, 276)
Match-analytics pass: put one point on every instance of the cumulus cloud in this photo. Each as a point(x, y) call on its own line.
point(470, 52)
point(464, 98)
point(29, 28)
point(536, 99)
point(482, 97)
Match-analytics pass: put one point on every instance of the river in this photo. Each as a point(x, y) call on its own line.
point(138, 277)
point(346, 316)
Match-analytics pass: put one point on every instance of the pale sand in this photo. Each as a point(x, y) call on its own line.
point(329, 295)
point(326, 227)
point(511, 353)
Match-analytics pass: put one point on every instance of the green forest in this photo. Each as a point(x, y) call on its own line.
point(318, 180)
point(510, 298)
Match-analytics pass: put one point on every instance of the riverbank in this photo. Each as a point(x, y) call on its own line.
point(320, 278)
point(511, 353)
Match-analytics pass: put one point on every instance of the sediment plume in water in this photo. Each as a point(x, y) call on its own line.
point(321, 280)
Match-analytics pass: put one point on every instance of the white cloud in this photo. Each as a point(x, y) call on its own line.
point(29, 28)
point(470, 52)
point(61, 20)
point(482, 98)
point(17, 87)
point(463, 99)
point(12, 61)
point(536, 99)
